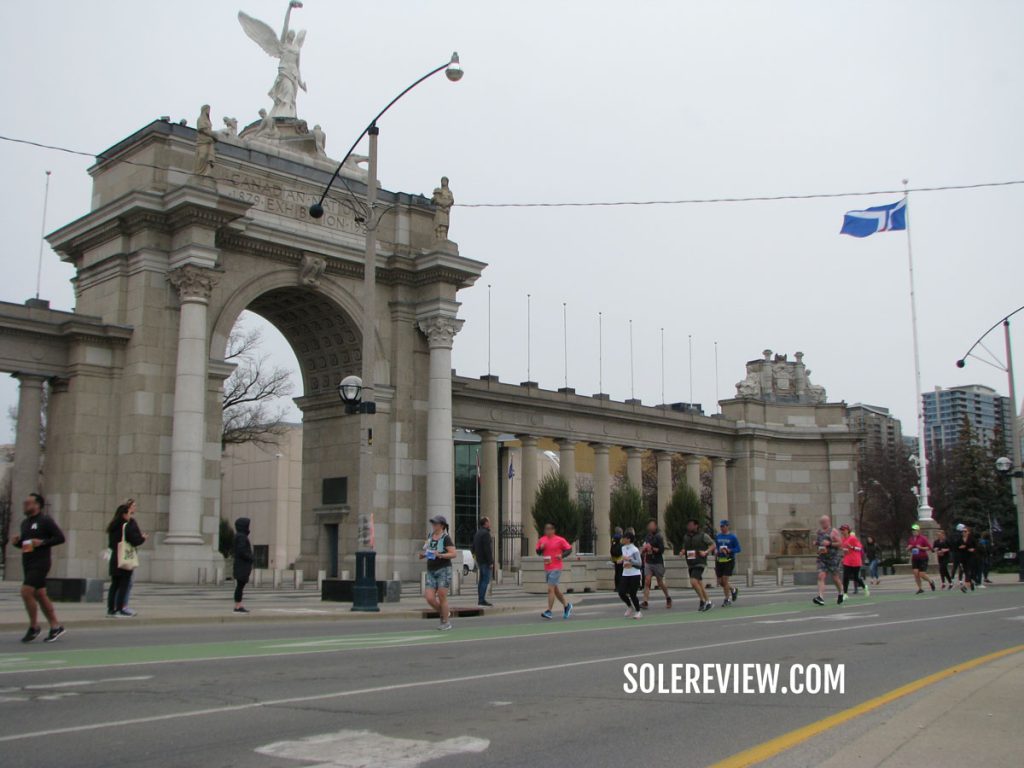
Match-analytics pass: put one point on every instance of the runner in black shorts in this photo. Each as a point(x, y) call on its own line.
point(39, 534)
point(695, 547)
point(727, 546)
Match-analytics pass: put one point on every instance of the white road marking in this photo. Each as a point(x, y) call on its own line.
point(827, 617)
point(79, 683)
point(1014, 618)
point(356, 749)
point(352, 640)
point(501, 703)
point(449, 681)
point(56, 696)
point(292, 610)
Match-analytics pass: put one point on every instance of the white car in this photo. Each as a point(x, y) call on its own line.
point(465, 558)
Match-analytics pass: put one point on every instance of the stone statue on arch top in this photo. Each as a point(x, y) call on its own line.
point(204, 158)
point(443, 200)
point(286, 50)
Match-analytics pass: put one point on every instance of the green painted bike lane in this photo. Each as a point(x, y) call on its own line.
point(34, 658)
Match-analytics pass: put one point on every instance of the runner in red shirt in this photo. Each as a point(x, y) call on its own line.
point(553, 548)
point(919, 547)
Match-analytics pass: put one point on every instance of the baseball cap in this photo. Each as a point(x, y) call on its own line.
point(844, 527)
point(723, 522)
point(961, 527)
point(915, 527)
point(438, 519)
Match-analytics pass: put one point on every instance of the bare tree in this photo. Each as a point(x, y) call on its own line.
point(249, 412)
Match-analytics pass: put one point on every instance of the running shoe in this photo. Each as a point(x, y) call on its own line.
point(867, 592)
point(919, 592)
point(111, 614)
point(963, 589)
point(933, 585)
point(735, 594)
point(840, 599)
point(446, 627)
point(127, 612)
point(567, 611)
point(629, 613)
point(700, 606)
point(241, 609)
point(989, 581)
point(643, 603)
point(668, 602)
point(53, 634)
point(32, 634)
point(726, 603)
point(708, 606)
point(638, 615)
point(546, 615)
point(972, 586)
point(818, 600)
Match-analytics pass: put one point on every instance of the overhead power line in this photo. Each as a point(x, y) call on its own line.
point(613, 203)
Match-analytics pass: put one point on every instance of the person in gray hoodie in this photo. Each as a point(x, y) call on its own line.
point(243, 561)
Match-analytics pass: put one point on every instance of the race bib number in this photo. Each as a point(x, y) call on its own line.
point(691, 554)
point(915, 551)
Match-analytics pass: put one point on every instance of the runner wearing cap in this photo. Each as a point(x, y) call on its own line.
point(439, 551)
point(954, 552)
point(919, 547)
point(942, 547)
point(553, 548)
point(727, 547)
point(853, 559)
point(968, 548)
point(695, 547)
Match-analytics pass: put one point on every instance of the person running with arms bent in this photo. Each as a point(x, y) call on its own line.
point(39, 535)
point(553, 548)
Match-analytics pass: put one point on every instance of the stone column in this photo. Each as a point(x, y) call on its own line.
point(440, 330)
point(489, 476)
point(188, 432)
point(530, 483)
point(664, 459)
point(693, 473)
point(635, 468)
point(602, 499)
point(25, 477)
point(567, 464)
point(719, 492)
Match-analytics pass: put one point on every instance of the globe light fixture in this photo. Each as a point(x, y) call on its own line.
point(351, 390)
point(454, 70)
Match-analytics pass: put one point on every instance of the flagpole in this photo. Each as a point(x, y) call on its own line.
point(528, 329)
point(565, 343)
point(488, 331)
point(924, 510)
point(662, 366)
point(42, 236)
point(717, 398)
point(689, 341)
point(600, 353)
point(632, 380)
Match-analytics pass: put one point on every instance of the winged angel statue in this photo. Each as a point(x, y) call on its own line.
point(286, 50)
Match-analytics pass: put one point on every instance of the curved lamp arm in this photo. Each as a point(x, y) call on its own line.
point(452, 69)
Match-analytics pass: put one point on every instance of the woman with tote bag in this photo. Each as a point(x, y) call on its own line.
point(123, 536)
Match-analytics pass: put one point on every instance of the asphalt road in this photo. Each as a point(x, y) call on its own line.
point(504, 691)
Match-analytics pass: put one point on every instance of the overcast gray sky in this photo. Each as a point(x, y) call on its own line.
point(598, 101)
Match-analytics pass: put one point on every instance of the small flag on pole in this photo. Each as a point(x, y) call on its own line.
point(511, 470)
point(881, 218)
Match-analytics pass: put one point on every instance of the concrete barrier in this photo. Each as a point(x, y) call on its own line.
point(320, 576)
point(297, 578)
point(277, 578)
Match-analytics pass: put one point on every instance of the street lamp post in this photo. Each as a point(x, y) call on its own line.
point(360, 399)
point(1014, 472)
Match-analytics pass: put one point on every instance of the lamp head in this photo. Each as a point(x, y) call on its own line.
point(961, 363)
point(350, 390)
point(316, 211)
point(454, 70)
point(1003, 465)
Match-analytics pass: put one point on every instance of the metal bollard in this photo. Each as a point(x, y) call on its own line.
point(219, 576)
point(345, 576)
point(457, 582)
point(199, 576)
point(396, 576)
point(778, 577)
point(750, 576)
point(519, 578)
point(423, 581)
point(257, 577)
point(298, 578)
point(320, 576)
point(277, 578)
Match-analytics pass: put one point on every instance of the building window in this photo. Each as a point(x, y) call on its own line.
point(467, 493)
point(334, 491)
point(261, 556)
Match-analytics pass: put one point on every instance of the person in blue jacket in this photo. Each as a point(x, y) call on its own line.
point(727, 546)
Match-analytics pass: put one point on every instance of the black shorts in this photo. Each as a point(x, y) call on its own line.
point(919, 564)
point(697, 572)
point(724, 569)
point(35, 577)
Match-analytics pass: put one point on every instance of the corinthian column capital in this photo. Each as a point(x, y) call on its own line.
point(192, 282)
point(440, 330)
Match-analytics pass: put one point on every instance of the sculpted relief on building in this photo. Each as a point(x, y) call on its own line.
point(775, 379)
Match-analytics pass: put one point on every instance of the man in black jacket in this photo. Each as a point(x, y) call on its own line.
point(483, 554)
point(243, 561)
point(39, 534)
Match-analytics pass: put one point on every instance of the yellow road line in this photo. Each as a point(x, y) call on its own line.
point(772, 747)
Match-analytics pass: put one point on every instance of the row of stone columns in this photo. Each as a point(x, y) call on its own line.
point(530, 478)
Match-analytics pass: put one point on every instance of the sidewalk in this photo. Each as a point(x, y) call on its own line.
point(170, 603)
point(970, 717)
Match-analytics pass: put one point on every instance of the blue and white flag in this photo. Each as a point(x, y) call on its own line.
point(511, 470)
point(881, 218)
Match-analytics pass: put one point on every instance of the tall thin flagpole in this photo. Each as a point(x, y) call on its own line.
point(42, 236)
point(528, 330)
point(488, 330)
point(662, 366)
point(565, 343)
point(689, 341)
point(600, 353)
point(924, 511)
point(717, 396)
point(632, 387)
